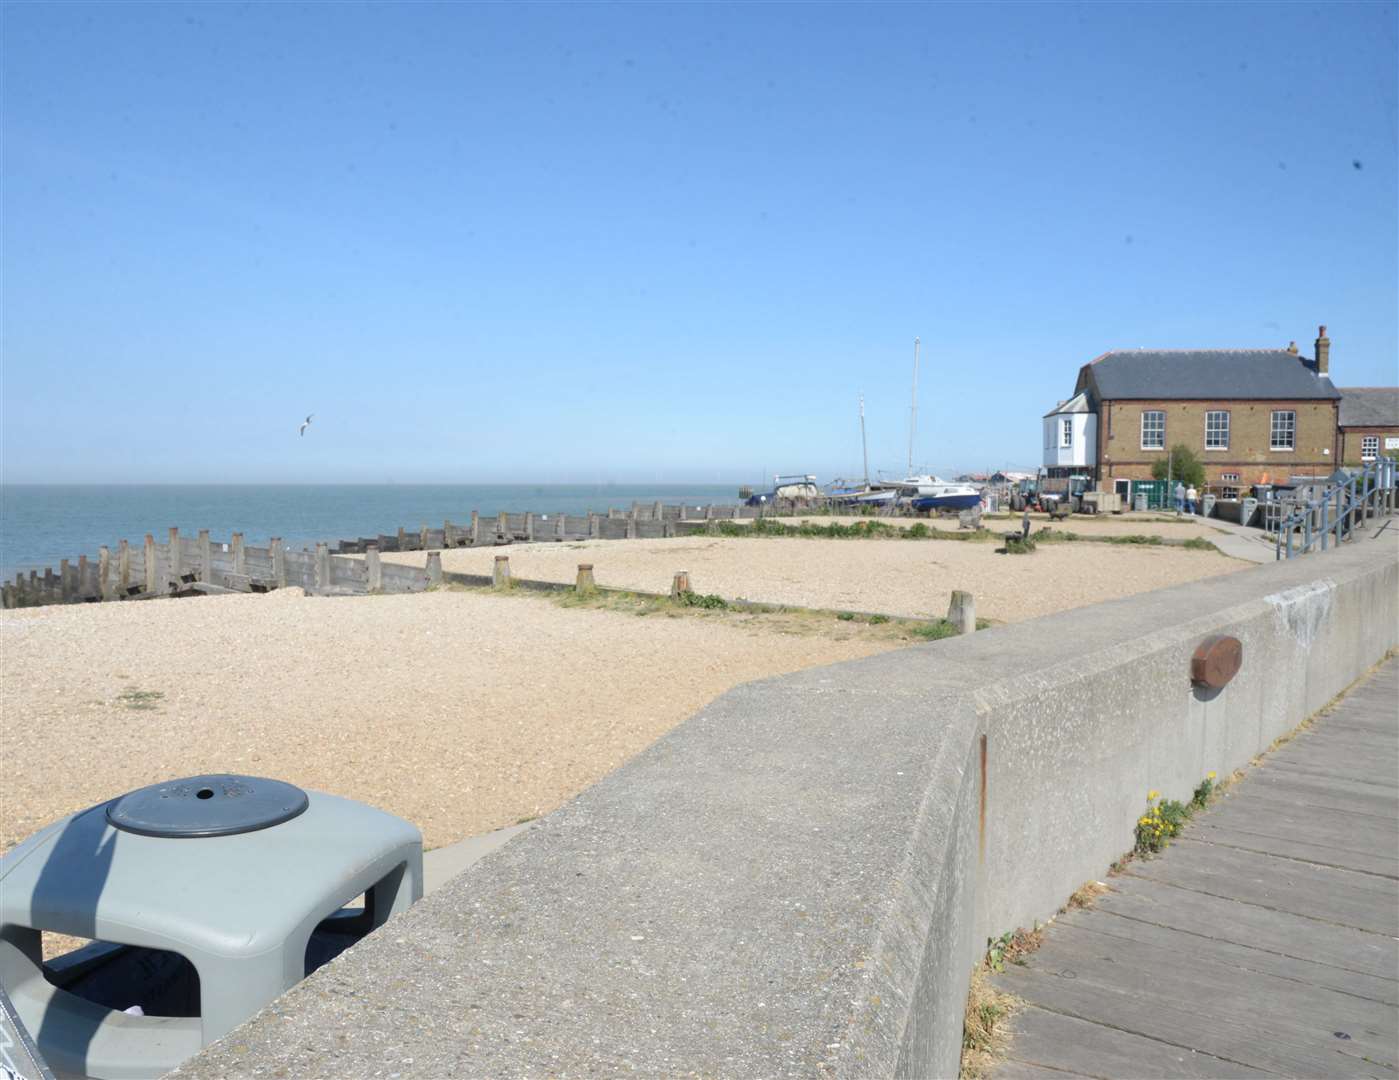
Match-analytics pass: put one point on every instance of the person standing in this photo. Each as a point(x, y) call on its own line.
point(1025, 524)
point(1190, 496)
point(1180, 496)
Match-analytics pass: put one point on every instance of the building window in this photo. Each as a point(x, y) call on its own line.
point(1228, 493)
point(1217, 430)
point(1284, 435)
point(1369, 448)
point(1066, 432)
point(1229, 477)
point(1153, 430)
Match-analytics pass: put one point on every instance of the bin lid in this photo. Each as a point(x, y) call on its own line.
point(219, 804)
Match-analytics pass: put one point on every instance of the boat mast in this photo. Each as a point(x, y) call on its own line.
point(913, 408)
point(864, 444)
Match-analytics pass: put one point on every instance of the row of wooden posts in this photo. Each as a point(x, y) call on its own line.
point(185, 565)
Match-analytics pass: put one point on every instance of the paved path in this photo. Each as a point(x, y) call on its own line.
point(1262, 942)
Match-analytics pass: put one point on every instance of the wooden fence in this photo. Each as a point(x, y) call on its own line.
point(186, 566)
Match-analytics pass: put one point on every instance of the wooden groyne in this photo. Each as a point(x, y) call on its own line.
point(643, 521)
point(189, 566)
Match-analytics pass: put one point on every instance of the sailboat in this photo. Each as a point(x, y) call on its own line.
point(928, 492)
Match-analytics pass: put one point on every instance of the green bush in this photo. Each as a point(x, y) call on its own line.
point(699, 600)
point(1015, 545)
point(1183, 466)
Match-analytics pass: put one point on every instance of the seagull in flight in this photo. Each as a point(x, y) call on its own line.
point(307, 423)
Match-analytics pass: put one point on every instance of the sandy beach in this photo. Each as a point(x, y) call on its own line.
point(461, 712)
point(911, 578)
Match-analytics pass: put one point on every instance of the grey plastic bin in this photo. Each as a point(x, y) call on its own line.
point(1139, 500)
point(211, 896)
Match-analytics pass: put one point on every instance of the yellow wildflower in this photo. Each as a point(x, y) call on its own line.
point(1153, 794)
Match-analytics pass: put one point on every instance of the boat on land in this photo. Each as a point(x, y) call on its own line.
point(934, 493)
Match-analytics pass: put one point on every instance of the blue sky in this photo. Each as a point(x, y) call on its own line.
point(579, 243)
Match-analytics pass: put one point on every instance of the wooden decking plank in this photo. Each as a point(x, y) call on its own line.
point(1228, 920)
point(1303, 789)
point(1264, 936)
point(1235, 1034)
point(1321, 892)
point(1243, 956)
point(1020, 1070)
point(1366, 862)
point(1205, 987)
point(1075, 1046)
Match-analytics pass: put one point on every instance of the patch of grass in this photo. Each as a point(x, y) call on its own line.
point(1085, 896)
point(708, 601)
point(934, 631)
point(140, 700)
point(984, 1034)
point(872, 529)
point(1016, 545)
point(845, 616)
point(878, 620)
point(1196, 543)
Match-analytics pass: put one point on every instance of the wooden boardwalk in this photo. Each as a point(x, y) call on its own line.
point(1262, 942)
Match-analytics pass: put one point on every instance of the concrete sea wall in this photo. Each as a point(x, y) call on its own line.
point(798, 880)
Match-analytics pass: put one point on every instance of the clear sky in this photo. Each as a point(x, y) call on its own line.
point(661, 242)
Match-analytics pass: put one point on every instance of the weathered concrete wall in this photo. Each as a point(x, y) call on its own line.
point(798, 880)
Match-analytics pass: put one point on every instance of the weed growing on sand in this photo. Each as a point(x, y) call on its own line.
point(876, 620)
point(1016, 545)
point(140, 700)
point(859, 530)
point(1195, 543)
point(935, 631)
point(709, 601)
point(845, 616)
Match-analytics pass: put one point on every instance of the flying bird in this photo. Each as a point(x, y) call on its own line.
point(302, 430)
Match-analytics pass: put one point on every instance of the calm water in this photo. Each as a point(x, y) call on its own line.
point(40, 524)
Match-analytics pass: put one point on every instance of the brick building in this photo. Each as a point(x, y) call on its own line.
point(1252, 416)
point(1369, 423)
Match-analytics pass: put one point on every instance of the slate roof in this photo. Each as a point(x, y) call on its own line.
point(1369, 406)
point(1206, 374)
point(1076, 404)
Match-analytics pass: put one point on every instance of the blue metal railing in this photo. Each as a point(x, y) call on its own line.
point(1341, 507)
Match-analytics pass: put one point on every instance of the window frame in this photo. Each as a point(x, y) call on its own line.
point(1066, 433)
point(1212, 413)
point(1291, 431)
point(1373, 440)
point(1153, 413)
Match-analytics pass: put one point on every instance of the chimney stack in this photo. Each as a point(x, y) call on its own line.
point(1292, 347)
point(1323, 352)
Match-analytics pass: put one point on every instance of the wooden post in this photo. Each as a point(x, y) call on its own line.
point(594, 525)
point(635, 510)
point(680, 584)
point(278, 551)
point(19, 590)
point(961, 613)
point(449, 535)
point(500, 576)
point(529, 525)
point(152, 581)
point(83, 591)
point(402, 539)
point(123, 568)
point(322, 568)
point(51, 587)
point(176, 561)
point(585, 583)
point(631, 527)
point(422, 537)
point(376, 572)
point(65, 581)
point(561, 526)
point(434, 569)
point(7, 596)
point(206, 557)
point(240, 557)
point(104, 572)
point(658, 511)
point(709, 512)
point(502, 527)
point(36, 589)
point(475, 528)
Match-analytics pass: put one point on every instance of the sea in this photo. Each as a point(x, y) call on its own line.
point(43, 523)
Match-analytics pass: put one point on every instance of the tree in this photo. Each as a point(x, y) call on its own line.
point(1183, 465)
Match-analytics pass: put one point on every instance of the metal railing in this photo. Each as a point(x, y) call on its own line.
point(1342, 507)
